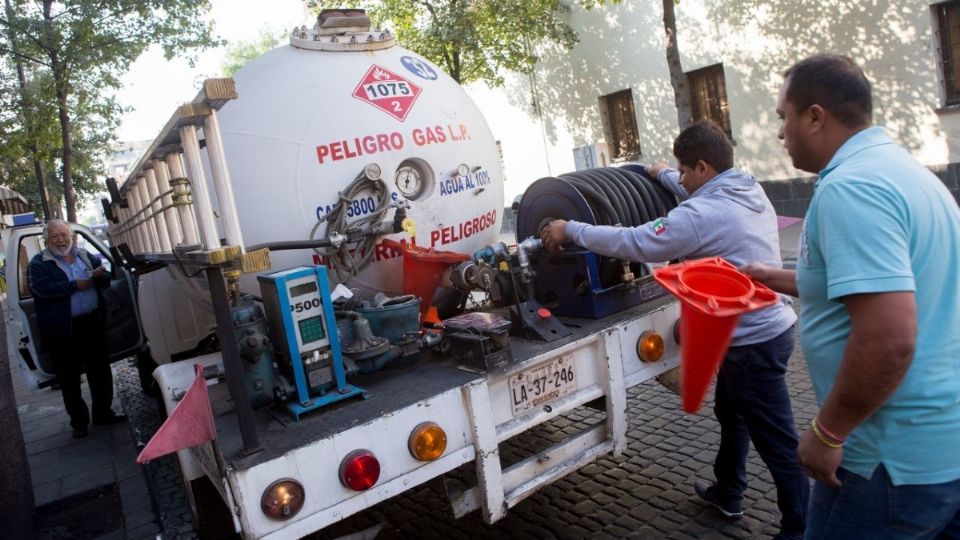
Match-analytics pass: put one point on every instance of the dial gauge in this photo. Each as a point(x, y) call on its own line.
point(409, 182)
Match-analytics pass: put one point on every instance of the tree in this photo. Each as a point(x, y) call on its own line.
point(473, 40)
point(678, 79)
point(84, 47)
point(26, 104)
point(238, 54)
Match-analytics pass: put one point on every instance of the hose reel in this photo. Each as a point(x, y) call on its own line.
point(578, 282)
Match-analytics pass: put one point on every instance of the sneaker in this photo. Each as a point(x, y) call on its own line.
point(708, 493)
point(80, 432)
point(112, 419)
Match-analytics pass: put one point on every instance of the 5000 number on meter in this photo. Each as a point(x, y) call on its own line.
point(535, 387)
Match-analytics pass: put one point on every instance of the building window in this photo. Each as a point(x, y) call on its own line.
point(948, 47)
point(620, 125)
point(708, 96)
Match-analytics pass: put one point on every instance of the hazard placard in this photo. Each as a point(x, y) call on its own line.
point(387, 91)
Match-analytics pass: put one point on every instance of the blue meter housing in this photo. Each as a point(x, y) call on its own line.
point(303, 329)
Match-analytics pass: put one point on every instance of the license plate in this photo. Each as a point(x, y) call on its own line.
point(535, 387)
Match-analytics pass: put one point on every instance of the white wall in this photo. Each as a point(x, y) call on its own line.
point(622, 46)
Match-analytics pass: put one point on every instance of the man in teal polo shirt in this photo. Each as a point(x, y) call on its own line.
point(878, 278)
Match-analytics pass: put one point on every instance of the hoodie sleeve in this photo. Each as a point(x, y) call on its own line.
point(670, 179)
point(672, 237)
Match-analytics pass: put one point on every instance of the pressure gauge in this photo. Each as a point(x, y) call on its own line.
point(372, 171)
point(409, 182)
point(463, 170)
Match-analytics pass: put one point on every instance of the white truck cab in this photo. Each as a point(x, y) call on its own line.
point(124, 334)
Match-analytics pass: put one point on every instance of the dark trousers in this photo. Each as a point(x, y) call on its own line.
point(878, 510)
point(83, 351)
point(752, 403)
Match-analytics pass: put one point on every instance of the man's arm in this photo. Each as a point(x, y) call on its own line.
point(778, 279)
point(42, 284)
point(668, 178)
point(878, 353)
point(100, 276)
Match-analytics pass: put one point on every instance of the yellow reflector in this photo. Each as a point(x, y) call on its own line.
point(282, 499)
point(428, 441)
point(650, 346)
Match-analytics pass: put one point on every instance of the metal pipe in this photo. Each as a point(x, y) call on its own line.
point(133, 240)
point(201, 195)
point(159, 220)
point(187, 224)
point(221, 180)
point(523, 249)
point(523, 257)
point(231, 359)
point(166, 201)
point(149, 226)
point(291, 244)
point(133, 198)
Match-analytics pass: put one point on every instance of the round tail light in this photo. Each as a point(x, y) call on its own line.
point(282, 499)
point(428, 441)
point(360, 470)
point(650, 346)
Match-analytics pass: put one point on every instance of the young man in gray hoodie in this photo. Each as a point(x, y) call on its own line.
point(727, 214)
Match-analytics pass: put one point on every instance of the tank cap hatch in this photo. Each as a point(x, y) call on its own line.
point(342, 30)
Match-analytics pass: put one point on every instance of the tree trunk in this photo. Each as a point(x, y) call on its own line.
point(681, 94)
point(69, 196)
point(60, 82)
point(16, 486)
point(26, 106)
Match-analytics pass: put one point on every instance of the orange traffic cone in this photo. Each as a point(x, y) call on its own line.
point(713, 294)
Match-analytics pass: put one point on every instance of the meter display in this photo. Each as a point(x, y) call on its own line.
point(306, 288)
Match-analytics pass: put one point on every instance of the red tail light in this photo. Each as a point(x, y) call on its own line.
point(360, 470)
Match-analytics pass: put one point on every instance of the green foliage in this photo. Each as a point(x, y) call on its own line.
point(73, 54)
point(473, 40)
point(238, 54)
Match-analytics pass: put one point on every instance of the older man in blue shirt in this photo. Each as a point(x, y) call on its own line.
point(65, 282)
point(880, 316)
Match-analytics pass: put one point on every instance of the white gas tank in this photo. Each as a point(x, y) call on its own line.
point(312, 115)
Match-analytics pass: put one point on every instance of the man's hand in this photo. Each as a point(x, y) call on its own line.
point(83, 284)
point(656, 167)
point(758, 271)
point(819, 460)
point(554, 236)
point(99, 271)
point(778, 279)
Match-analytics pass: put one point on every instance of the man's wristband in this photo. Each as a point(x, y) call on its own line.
point(824, 436)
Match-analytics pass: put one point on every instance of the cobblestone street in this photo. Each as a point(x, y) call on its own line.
point(645, 493)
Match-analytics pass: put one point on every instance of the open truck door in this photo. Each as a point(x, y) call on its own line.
point(122, 325)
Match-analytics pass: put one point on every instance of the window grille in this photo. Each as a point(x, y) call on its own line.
point(708, 96)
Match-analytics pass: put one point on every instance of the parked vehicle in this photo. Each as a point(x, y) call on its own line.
point(348, 179)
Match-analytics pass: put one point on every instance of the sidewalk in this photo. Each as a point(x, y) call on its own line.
point(84, 488)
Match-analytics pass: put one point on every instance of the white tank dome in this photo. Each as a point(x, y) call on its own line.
point(309, 121)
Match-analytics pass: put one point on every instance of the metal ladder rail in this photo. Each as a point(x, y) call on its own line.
point(151, 222)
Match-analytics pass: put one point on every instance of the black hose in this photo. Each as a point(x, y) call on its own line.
point(595, 176)
point(290, 245)
point(598, 203)
point(621, 196)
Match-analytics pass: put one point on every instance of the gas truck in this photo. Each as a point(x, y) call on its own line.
point(322, 234)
